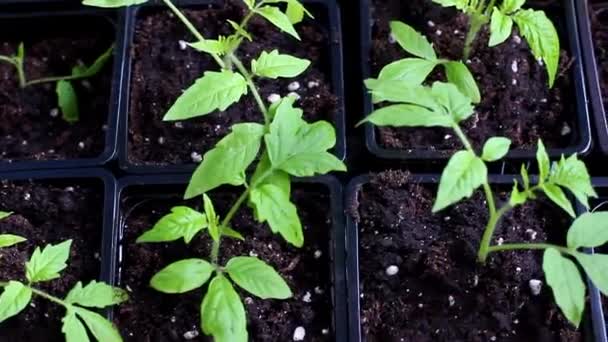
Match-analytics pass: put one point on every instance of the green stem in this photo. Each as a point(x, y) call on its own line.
point(54, 79)
point(528, 246)
point(48, 296)
point(463, 138)
point(18, 64)
point(477, 22)
point(192, 29)
point(486, 239)
point(256, 95)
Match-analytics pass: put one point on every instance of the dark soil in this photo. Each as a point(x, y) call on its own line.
point(49, 213)
point(161, 71)
point(153, 316)
point(518, 105)
point(436, 256)
point(28, 131)
point(599, 23)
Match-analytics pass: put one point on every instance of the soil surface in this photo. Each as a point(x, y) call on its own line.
point(153, 316)
point(49, 213)
point(161, 71)
point(516, 100)
point(440, 292)
point(30, 127)
point(599, 23)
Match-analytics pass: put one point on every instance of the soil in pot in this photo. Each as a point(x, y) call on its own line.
point(440, 293)
point(49, 213)
point(599, 27)
point(152, 316)
point(161, 70)
point(516, 100)
point(31, 127)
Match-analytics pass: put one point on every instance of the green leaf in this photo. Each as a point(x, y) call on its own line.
point(412, 70)
point(112, 3)
point(249, 3)
point(97, 65)
point(222, 312)
point(21, 51)
point(457, 105)
point(412, 41)
point(299, 148)
point(464, 173)
point(7, 240)
point(400, 91)
point(557, 195)
point(182, 276)
point(212, 218)
point(517, 197)
point(510, 6)
point(542, 37)
point(4, 214)
point(501, 26)
point(15, 298)
point(495, 148)
point(67, 101)
point(96, 294)
point(273, 65)
point(101, 328)
point(525, 177)
point(544, 164)
point(47, 264)
point(211, 46)
point(589, 230)
point(572, 174)
point(568, 287)
point(278, 19)
point(73, 328)
point(459, 4)
point(596, 267)
point(257, 278)
point(459, 75)
point(239, 30)
point(229, 232)
point(408, 115)
point(228, 161)
point(295, 11)
point(273, 205)
point(213, 91)
point(277, 177)
point(182, 222)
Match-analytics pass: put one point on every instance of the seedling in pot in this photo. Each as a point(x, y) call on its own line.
point(45, 265)
point(444, 105)
point(67, 98)
point(534, 26)
point(284, 146)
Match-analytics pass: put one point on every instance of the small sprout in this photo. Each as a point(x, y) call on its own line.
point(299, 334)
point(392, 270)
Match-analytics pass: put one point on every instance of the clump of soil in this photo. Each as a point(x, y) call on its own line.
point(31, 127)
point(440, 292)
point(599, 18)
point(152, 316)
point(161, 71)
point(516, 100)
point(49, 213)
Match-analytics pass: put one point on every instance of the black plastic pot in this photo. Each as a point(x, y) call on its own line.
point(584, 9)
point(156, 187)
point(108, 245)
point(599, 322)
point(590, 333)
point(116, 19)
point(326, 12)
point(567, 26)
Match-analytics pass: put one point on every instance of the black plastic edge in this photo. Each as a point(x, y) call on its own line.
point(108, 248)
point(116, 18)
point(591, 72)
point(334, 45)
point(339, 296)
point(583, 147)
point(351, 194)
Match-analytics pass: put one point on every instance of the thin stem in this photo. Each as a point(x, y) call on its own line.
point(489, 197)
point(192, 29)
point(486, 239)
point(528, 246)
point(18, 64)
point(47, 296)
point(256, 95)
point(463, 138)
point(55, 79)
point(477, 21)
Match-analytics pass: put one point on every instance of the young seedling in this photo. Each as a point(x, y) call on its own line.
point(7, 240)
point(534, 26)
point(284, 146)
point(413, 71)
point(45, 265)
point(66, 94)
point(444, 106)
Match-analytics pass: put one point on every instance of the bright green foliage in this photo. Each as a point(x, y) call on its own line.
point(464, 173)
point(413, 71)
point(7, 240)
point(220, 46)
point(495, 148)
point(182, 222)
point(568, 287)
point(274, 65)
point(68, 101)
point(257, 278)
point(279, 19)
point(4, 214)
point(182, 276)
point(45, 265)
point(271, 204)
point(222, 312)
